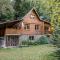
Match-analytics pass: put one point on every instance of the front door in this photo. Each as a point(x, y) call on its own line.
point(12, 41)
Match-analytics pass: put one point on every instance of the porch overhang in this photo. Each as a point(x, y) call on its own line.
point(12, 34)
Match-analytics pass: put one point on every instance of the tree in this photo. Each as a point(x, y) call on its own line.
point(21, 8)
point(55, 20)
point(6, 10)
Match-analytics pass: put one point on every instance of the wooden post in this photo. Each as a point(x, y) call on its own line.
point(4, 42)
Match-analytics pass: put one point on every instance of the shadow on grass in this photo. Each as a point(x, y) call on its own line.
point(56, 54)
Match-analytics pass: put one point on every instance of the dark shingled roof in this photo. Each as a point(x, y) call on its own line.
point(9, 23)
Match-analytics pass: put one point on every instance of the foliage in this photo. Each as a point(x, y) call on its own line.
point(57, 54)
point(29, 42)
point(56, 37)
point(6, 10)
point(55, 20)
point(43, 40)
point(23, 6)
point(25, 42)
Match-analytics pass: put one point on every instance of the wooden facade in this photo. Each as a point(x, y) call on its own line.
point(30, 24)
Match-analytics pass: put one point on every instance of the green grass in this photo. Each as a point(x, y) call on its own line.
point(40, 52)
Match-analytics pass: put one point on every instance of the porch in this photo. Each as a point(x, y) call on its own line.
point(9, 41)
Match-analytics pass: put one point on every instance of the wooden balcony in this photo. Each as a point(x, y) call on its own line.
point(12, 31)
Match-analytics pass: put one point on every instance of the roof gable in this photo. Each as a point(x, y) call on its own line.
point(33, 9)
point(31, 17)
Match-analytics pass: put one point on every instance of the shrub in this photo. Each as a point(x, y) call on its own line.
point(43, 40)
point(32, 43)
point(28, 42)
point(24, 42)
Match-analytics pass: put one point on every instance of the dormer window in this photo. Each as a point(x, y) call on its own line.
point(32, 16)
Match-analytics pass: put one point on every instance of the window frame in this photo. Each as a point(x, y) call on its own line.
point(27, 26)
point(31, 37)
point(36, 27)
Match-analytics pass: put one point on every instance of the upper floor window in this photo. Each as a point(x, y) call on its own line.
point(36, 27)
point(46, 28)
point(32, 16)
point(27, 26)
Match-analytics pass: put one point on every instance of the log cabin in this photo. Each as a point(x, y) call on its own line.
point(30, 27)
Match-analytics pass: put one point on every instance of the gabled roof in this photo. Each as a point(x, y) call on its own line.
point(15, 21)
point(33, 9)
point(39, 16)
point(9, 23)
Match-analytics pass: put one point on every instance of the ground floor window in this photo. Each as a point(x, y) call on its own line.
point(12, 40)
point(31, 37)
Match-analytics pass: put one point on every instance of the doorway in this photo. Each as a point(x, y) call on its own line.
point(12, 40)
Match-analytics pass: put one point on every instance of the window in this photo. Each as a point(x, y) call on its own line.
point(32, 16)
point(27, 26)
point(31, 37)
point(12, 40)
point(46, 28)
point(36, 27)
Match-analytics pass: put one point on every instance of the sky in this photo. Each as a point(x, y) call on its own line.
point(11, 0)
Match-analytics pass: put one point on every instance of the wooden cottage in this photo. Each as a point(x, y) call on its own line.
point(30, 27)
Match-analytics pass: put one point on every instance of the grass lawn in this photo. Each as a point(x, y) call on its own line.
point(41, 52)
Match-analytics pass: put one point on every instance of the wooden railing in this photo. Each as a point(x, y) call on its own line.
point(12, 31)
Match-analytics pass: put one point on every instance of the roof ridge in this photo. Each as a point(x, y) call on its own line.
point(24, 16)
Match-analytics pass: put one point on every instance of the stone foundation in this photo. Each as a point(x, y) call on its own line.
point(26, 37)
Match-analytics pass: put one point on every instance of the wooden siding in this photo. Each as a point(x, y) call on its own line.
point(2, 32)
point(32, 22)
point(48, 26)
point(17, 27)
point(11, 31)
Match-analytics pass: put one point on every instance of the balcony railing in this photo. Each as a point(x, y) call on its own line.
point(12, 31)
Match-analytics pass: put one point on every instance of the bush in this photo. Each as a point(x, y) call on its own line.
point(24, 42)
point(28, 42)
point(43, 40)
